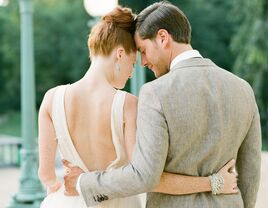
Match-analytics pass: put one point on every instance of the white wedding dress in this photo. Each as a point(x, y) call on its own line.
point(68, 152)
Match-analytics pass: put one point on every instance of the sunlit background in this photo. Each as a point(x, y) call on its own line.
point(3, 2)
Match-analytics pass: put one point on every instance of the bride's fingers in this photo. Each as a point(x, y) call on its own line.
point(230, 165)
point(233, 171)
point(236, 190)
point(235, 185)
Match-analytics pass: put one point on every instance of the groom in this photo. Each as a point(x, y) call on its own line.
point(191, 120)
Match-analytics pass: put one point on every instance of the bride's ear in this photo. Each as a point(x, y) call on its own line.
point(119, 52)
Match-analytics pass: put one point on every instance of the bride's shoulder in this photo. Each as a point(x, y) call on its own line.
point(48, 98)
point(49, 94)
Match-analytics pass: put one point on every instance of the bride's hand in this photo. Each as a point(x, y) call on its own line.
point(229, 175)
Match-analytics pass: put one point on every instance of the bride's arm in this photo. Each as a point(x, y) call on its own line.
point(177, 184)
point(47, 145)
point(170, 183)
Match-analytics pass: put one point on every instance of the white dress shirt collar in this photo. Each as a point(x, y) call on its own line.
point(183, 56)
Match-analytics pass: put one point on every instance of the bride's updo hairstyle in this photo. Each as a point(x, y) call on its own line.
point(114, 29)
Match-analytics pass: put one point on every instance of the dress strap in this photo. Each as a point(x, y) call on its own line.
point(117, 127)
point(65, 144)
point(57, 111)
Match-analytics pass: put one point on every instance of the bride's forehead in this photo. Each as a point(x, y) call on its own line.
point(133, 55)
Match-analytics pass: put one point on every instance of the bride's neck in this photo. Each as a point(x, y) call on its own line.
point(100, 71)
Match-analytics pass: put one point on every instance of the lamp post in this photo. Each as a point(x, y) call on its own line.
point(30, 192)
point(99, 8)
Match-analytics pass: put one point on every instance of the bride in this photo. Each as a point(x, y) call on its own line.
point(93, 124)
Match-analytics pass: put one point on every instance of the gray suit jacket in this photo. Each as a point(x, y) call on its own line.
point(190, 121)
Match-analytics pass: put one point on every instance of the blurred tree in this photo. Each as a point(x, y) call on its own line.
point(9, 57)
point(251, 46)
point(60, 41)
point(61, 51)
point(212, 29)
point(136, 5)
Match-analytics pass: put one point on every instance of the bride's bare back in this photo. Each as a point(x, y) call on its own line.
point(88, 115)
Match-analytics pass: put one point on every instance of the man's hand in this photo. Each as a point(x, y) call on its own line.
point(70, 178)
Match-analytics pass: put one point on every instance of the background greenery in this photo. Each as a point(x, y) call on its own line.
point(231, 33)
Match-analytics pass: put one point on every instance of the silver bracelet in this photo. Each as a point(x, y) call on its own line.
point(217, 183)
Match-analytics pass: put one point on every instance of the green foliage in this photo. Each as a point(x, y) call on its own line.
point(136, 5)
point(251, 47)
point(9, 58)
point(60, 43)
point(10, 124)
point(212, 29)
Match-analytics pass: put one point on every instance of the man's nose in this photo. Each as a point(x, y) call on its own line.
point(144, 61)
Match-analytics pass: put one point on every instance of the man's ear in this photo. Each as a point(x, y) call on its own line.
point(163, 37)
point(119, 52)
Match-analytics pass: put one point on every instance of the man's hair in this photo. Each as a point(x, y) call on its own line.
point(163, 15)
point(115, 28)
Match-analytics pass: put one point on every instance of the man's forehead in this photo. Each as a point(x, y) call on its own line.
point(138, 41)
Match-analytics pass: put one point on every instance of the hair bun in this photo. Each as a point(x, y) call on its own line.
point(120, 17)
point(115, 28)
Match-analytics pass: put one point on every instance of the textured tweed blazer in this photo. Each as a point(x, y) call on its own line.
point(191, 121)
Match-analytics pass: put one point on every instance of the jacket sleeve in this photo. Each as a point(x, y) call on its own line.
point(148, 160)
point(249, 162)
